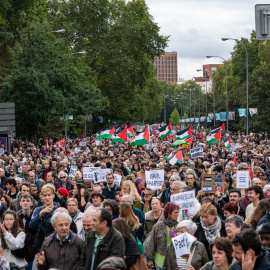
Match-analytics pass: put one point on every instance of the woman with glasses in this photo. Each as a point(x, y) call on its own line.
point(75, 213)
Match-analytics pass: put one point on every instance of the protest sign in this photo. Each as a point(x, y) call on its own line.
point(154, 179)
point(186, 200)
point(60, 143)
point(97, 142)
point(91, 173)
point(196, 152)
point(73, 170)
point(77, 150)
point(212, 182)
point(182, 244)
point(102, 174)
point(83, 144)
point(117, 179)
point(242, 179)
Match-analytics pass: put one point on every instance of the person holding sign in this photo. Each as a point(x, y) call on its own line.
point(198, 255)
point(161, 236)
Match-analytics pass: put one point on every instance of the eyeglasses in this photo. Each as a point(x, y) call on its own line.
point(72, 205)
point(124, 201)
point(175, 189)
point(62, 177)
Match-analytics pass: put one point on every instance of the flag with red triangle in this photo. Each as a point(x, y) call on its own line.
point(120, 137)
point(189, 140)
point(131, 132)
point(227, 142)
point(177, 157)
point(184, 134)
point(106, 132)
point(165, 131)
point(214, 137)
point(142, 138)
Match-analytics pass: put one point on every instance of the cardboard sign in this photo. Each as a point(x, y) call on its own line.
point(91, 173)
point(103, 173)
point(242, 179)
point(73, 170)
point(186, 200)
point(196, 152)
point(82, 144)
point(212, 182)
point(117, 179)
point(182, 244)
point(154, 179)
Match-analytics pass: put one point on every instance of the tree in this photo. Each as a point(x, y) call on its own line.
point(175, 117)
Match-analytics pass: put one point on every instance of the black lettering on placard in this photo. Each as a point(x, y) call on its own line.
point(154, 176)
point(179, 244)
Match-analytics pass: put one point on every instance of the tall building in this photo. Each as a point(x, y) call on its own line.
point(206, 80)
point(166, 66)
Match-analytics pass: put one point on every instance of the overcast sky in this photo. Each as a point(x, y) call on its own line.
point(197, 26)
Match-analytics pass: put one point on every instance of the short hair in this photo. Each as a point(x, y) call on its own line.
point(235, 191)
point(188, 224)
point(257, 190)
point(236, 220)
point(105, 215)
point(62, 215)
point(53, 174)
point(242, 165)
point(223, 244)
point(114, 206)
point(208, 209)
point(264, 228)
point(266, 188)
point(248, 239)
point(183, 164)
point(218, 168)
point(230, 207)
point(25, 196)
point(48, 188)
point(169, 208)
point(24, 184)
point(72, 200)
point(109, 174)
point(175, 178)
point(181, 184)
point(11, 181)
point(130, 199)
point(62, 173)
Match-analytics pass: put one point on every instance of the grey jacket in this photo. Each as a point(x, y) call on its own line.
point(150, 222)
point(199, 259)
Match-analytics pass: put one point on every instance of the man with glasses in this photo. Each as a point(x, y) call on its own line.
point(234, 197)
point(109, 190)
point(63, 181)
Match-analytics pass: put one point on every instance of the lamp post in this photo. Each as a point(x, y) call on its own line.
point(227, 100)
point(60, 31)
point(237, 40)
point(165, 109)
point(205, 79)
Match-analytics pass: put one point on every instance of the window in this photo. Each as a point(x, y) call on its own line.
point(175, 58)
point(213, 68)
point(161, 57)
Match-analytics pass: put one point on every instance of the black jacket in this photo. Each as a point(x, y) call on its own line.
point(113, 244)
point(3, 182)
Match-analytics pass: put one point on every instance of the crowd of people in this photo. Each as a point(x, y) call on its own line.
point(54, 219)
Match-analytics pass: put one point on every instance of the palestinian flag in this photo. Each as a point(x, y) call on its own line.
point(176, 158)
point(131, 132)
point(171, 154)
point(214, 137)
point(106, 132)
point(120, 137)
point(217, 127)
point(202, 127)
point(189, 140)
point(198, 126)
point(165, 131)
point(227, 142)
point(184, 134)
point(142, 138)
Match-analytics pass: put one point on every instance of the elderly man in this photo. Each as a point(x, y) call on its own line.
point(103, 241)
point(87, 223)
point(58, 247)
point(3, 178)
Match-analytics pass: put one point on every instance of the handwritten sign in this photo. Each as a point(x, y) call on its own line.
point(117, 179)
point(186, 200)
point(103, 173)
point(154, 179)
point(91, 173)
point(196, 152)
point(73, 170)
point(182, 244)
point(242, 179)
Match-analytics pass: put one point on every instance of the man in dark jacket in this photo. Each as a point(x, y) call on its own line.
point(3, 178)
point(103, 241)
point(109, 190)
point(63, 249)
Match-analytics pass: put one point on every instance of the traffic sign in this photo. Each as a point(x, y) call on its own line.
point(262, 21)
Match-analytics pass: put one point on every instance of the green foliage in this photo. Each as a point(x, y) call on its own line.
point(175, 117)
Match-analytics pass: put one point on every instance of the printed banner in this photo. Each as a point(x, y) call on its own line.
point(72, 172)
point(154, 179)
point(186, 200)
point(253, 111)
point(231, 116)
point(197, 120)
point(196, 152)
point(61, 142)
point(217, 116)
point(223, 116)
point(242, 112)
point(242, 179)
point(211, 116)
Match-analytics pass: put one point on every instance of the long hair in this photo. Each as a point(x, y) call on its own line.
point(14, 230)
point(260, 211)
point(86, 194)
point(121, 225)
point(128, 215)
point(133, 191)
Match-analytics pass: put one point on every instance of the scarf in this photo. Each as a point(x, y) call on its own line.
point(170, 223)
point(74, 215)
point(213, 231)
point(146, 207)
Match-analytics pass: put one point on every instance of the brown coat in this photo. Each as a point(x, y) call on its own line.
point(65, 256)
point(150, 221)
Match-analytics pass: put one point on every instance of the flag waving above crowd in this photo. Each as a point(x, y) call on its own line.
point(184, 134)
point(165, 131)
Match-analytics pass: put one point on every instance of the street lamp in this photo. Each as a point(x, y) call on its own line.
point(227, 100)
point(237, 40)
point(165, 109)
point(82, 52)
point(58, 31)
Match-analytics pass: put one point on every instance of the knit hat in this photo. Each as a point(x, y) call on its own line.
point(139, 180)
point(63, 191)
point(112, 263)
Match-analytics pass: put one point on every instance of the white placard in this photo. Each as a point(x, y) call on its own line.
point(24, 160)
point(73, 170)
point(103, 173)
point(196, 152)
point(91, 173)
point(87, 150)
point(2, 151)
point(154, 179)
point(242, 179)
point(77, 150)
point(186, 200)
point(117, 179)
point(82, 144)
point(182, 244)
point(97, 142)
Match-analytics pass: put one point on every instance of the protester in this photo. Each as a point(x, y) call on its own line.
point(113, 207)
point(97, 203)
point(263, 206)
point(75, 213)
point(264, 234)
point(87, 226)
point(129, 188)
point(233, 225)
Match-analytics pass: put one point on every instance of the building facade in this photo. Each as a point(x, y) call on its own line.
point(166, 66)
